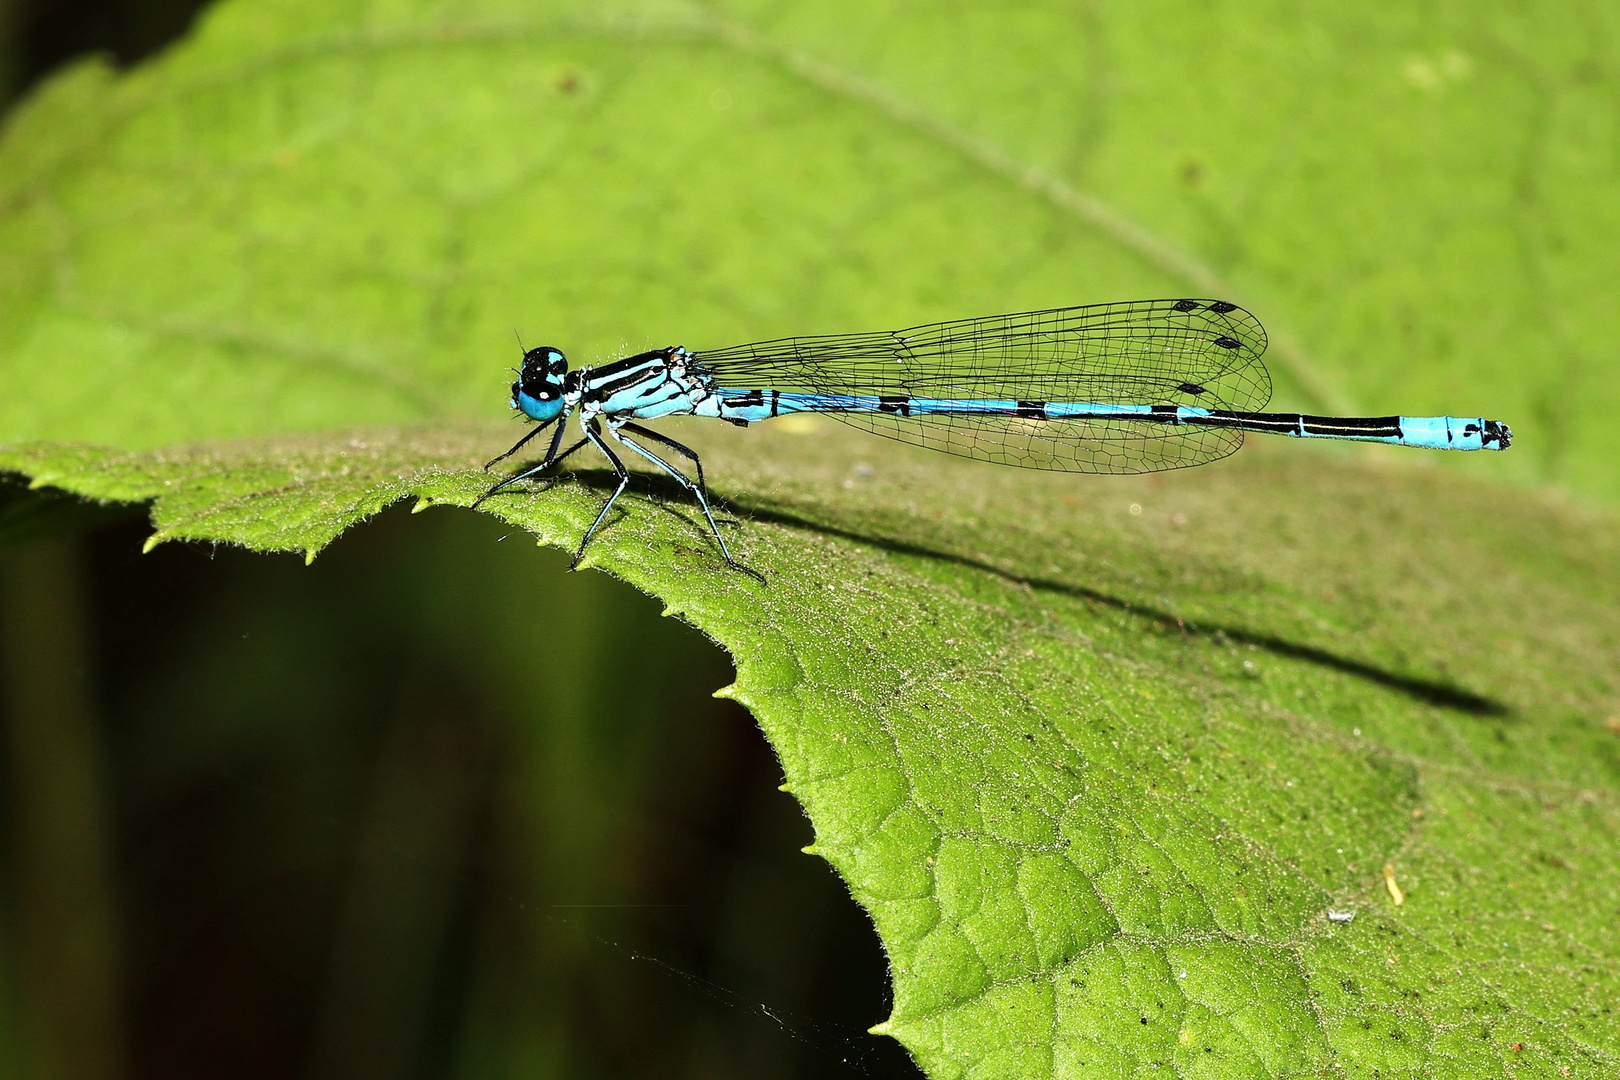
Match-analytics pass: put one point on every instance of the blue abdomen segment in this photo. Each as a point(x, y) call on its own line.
point(1455, 433)
point(1432, 432)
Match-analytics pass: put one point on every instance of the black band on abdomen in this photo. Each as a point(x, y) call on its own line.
point(1343, 427)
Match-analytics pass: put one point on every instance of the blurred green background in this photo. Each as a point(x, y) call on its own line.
point(403, 813)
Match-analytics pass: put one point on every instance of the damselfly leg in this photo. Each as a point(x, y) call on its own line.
point(593, 432)
point(593, 435)
point(551, 458)
point(698, 489)
point(522, 442)
point(679, 448)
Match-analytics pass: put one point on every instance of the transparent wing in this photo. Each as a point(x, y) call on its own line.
point(1147, 352)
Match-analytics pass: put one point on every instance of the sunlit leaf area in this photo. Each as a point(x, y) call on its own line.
point(1304, 763)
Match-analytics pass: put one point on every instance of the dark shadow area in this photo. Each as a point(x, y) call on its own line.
point(666, 492)
point(39, 36)
point(1424, 690)
point(428, 807)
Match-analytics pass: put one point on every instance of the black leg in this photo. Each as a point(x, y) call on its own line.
point(649, 433)
point(696, 488)
point(551, 459)
point(560, 458)
point(594, 434)
point(519, 444)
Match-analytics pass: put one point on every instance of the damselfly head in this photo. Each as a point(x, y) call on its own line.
point(539, 387)
point(542, 374)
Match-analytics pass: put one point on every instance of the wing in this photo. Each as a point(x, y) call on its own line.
point(1149, 352)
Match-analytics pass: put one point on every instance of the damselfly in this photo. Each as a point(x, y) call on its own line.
point(1110, 388)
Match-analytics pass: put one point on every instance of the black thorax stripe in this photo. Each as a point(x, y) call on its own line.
point(630, 363)
point(605, 381)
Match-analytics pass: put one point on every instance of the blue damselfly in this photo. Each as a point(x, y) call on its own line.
point(1109, 388)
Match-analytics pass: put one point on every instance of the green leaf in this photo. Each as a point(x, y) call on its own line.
point(1105, 759)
